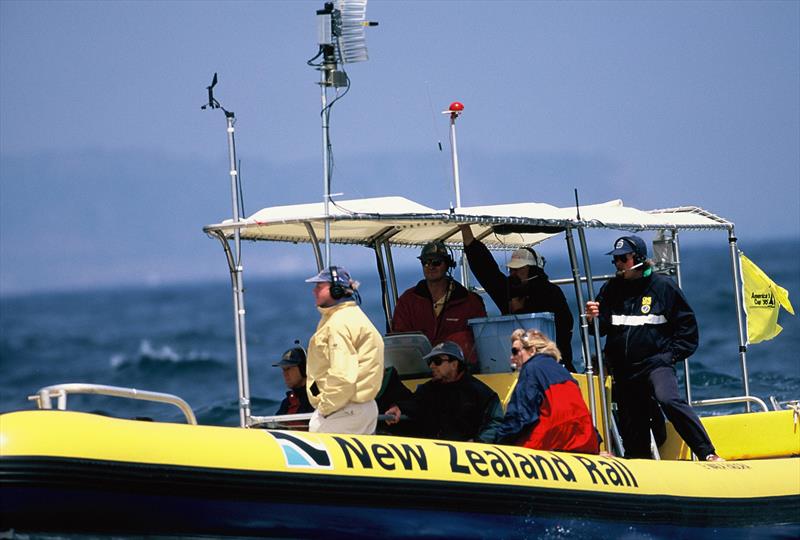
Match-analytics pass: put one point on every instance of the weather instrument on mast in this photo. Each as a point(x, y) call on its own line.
point(342, 40)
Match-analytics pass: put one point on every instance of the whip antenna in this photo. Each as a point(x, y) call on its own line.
point(342, 40)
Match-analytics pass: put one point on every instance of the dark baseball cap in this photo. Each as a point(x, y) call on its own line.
point(434, 250)
point(295, 356)
point(629, 244)
point(447, 348)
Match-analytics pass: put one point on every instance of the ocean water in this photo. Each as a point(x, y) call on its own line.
point(179, 339)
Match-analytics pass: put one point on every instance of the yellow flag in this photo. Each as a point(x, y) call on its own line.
point(763, 299)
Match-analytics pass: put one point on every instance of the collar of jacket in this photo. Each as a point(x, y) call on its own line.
point(330, 310)
point(459, 291)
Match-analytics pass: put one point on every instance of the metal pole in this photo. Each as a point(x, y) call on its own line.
point(236, 269)
point(737, 286)
point(325, 164)
point(392, 277)
point(587, 269)
point(454, 111)
point(587, 357)
point(676, 260)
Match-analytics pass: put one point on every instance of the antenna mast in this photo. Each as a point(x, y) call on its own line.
point(340, 33)
point(235, 260)
point(455, 110)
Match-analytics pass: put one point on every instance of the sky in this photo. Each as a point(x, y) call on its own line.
point(109, 168)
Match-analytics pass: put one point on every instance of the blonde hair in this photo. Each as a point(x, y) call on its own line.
point(534, 340)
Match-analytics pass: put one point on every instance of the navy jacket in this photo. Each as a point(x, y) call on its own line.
point(647, 323)
point(540, 296)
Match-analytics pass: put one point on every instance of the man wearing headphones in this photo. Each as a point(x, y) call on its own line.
point(439, 306)
point(649, 326)
point(526, 289)
point(345, 359)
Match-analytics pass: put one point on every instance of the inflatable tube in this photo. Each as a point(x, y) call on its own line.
point(66, 471)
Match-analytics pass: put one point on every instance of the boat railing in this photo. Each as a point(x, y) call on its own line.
point(792, 404)
point(729, 400)
point(44, 396)
point(295, 421)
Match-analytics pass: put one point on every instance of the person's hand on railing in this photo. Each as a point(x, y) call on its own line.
point(395, 414)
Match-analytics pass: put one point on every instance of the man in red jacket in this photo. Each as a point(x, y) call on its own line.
point(439, 306)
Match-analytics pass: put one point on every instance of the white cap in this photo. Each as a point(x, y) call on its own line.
point(526, 257)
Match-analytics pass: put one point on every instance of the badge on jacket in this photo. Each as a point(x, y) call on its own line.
point(646, 303)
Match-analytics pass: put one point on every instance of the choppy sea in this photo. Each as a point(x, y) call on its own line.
point(179, 339)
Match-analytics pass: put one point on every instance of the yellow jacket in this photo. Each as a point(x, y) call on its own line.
point(345, 359)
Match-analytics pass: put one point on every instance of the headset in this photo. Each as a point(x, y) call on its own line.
point(337, 291)
point(302, 365)
point(452, 262)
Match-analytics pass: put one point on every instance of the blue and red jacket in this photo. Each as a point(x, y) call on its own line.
point(547, 411)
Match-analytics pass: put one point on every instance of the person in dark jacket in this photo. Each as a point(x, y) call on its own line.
point(526, 289)
point(546, 410)
point(453, 405)
point(439, 306)
point(293, 365)
point(649, 326)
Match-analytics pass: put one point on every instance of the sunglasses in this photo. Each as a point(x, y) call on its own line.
point(621, 258)
point(433, 262)
point(437, 360)
point(515, 351)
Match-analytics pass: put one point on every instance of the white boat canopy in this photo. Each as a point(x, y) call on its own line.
point(402, 222)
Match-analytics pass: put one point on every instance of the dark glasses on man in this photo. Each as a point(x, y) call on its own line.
point(433, 262)
point(515, 351)
point(437, 360)
point(620, 258)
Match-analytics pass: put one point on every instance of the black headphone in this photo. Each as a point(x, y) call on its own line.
point(302, 365)
point(337, 291)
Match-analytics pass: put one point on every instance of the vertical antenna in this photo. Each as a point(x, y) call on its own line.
point(455, 110)
point(235, 260)
point(341, 38)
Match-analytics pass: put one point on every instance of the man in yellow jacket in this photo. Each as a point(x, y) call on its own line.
point(345, 359)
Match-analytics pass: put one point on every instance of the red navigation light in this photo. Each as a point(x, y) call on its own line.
point(456, 106)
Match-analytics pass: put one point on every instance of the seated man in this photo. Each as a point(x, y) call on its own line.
point(526, 289)
point(439, 306)
point(546, 410)
point(293, 364)
point(453, 405)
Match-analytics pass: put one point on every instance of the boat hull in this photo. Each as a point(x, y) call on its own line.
point(127, 477)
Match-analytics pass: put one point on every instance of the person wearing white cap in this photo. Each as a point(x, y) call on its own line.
point(526, 288)
point(344, 367)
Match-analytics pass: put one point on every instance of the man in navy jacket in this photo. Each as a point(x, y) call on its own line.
point(649, 326)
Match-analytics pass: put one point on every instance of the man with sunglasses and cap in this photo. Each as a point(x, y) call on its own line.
point(649, 326)
point(453, 405)
point(526, 289)
point(345, 358)
point(439, 306)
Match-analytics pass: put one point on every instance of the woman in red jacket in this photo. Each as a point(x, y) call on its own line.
point(546, 410)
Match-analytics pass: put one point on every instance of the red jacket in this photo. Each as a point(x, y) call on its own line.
point(414, 313)
point(547, 411)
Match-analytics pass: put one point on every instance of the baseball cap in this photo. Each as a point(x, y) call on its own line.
point(434, 250)
point(526, 257)
point(447, 348)
point(324, 276)
point(629, 244)
point(295, 356)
